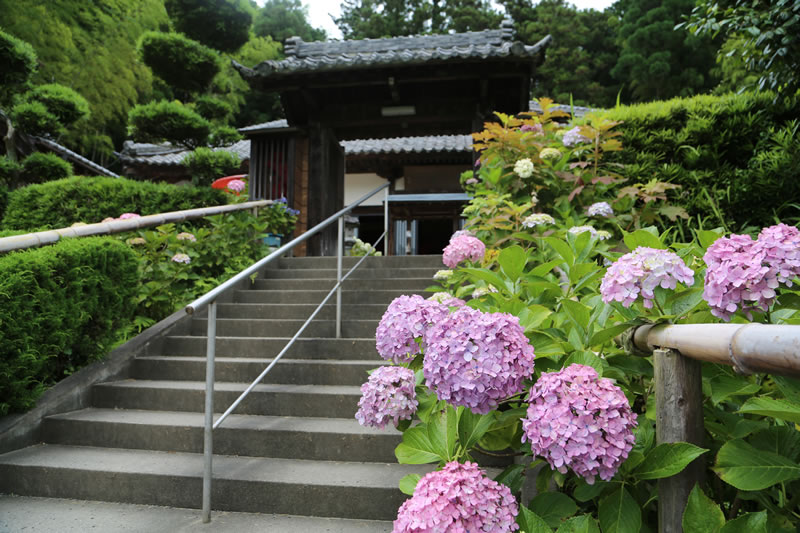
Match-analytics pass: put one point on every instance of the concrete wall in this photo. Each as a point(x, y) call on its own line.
point(357, 185)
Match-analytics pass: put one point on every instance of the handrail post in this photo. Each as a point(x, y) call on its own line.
point(679, 418)
point(340, 250)
point(386, 221)
point(209, 413)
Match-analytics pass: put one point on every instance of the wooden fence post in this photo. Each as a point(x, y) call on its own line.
point(679, 418)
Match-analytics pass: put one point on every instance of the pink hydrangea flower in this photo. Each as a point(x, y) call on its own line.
point(537, 128)
point(476, 359)
point(743, 273)
point(186, 236)
point(181, 258)
point(403, 323)
point(640, 272)
point(236, 185)
point(463, 247)
point(387, 396)
point(578, 421)
point(459, 498)
point(126, 216)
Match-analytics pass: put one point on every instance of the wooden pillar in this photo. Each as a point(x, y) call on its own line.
point(679, 418)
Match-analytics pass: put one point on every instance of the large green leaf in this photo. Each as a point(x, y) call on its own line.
point(682, 302)
point(587, 358)
point(409, 483)
point(544, 268)
point(783, 440)
point(619, 513)
point(562, 249)
point(774, 407)
point(442, 431)
point(579, 524)
point(790, 387)
point(747, 523)
point(605, 335)
point(667, 459)
point(512, 260)
point(416, 448)
point(512, 477)
point(578, 312)
point(488, 276)
point(702, 515)
point(532, 316)
point(748, 468)
point(642, 238)
point(529, 522)
point(553, 507)
point(471, 427)
point(724, 386)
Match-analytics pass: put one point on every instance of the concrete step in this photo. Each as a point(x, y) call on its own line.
point(400, 284)
point(359, 273)
point(303, 348)
point(59, 515)
point(319, 439)
point(249, 484)
point(393, 261)
point(253, 327)
point(334, 401)
point(234, 369)
point(299, 311)
point(384, 297)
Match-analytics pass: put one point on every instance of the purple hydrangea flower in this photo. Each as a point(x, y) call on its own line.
point(573, 137)
point(476, 359)
point(126, 216)
point(236, 185)
point(537, 128)
point(387, 396)
point(405, 321)
point(640, 272)
point(578, 421)
point(181, 258)
point(459, 498)
point(186, 236)
point(461, 248)
point(600, 209)
point(745, 273)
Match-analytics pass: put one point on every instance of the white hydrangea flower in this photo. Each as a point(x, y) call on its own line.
point(524, 168)
point(538, 219)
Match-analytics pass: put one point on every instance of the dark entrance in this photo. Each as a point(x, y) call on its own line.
point(433, 235)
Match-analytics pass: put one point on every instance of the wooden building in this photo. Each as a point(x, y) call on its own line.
point(378, 89)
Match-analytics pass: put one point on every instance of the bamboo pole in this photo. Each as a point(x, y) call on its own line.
point(749, 348)
point(31, 240)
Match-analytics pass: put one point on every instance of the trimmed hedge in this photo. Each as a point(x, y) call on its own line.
point(61, 203)
point(720, 148)
point(40, 167)
point(61, 307)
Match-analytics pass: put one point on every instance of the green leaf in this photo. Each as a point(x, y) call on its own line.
point(667, 459)
point(584, 492)
point(707, 237)
point(529, 522)
point(553, 507)
point(544, 268)
point(748, 468)
point(488, 276)
point(747, 523)
point(583, 357)
point(619, 513)
point(471, 427)
point(578, 312)
point(773, 407)
point(605, 335)
point(409, 483)
point(532, 316)
point(416, 448)
point(724, 386)
point(642, 238)
point(680, 303)
point(512, 477)
point(562, 249)
point(783, 440)
point(790, 387)
point(512, 260)
point(702, 515)
point(442, 432)
point(580, 524)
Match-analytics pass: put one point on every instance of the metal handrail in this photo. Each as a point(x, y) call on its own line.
point(40, 238)
point(210, 298)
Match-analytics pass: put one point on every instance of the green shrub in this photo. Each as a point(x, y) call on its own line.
point(8, 170)
point(60, 308)
point(178, 60)
point(157, 122)
point(225, 136)
point(35, 119)
point(3, 200)
point(205, 165)
point(40, 167)
point(66, 104)
point(19, 63)
point(212, 108)
point(60, 203)
point(710, 145)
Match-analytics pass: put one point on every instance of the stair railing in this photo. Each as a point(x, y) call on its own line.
point(210, 299)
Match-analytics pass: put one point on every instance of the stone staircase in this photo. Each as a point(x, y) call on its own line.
point(291, 448)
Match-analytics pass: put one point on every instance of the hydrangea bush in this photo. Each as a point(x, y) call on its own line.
point(387, 396)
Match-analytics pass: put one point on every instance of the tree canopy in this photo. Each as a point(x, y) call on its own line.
point(183, 63)
point(220, 24)
point(281, 19)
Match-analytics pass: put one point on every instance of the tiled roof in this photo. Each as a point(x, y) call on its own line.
point(271, 125)
point(303, 57)
point(168, 155)
point(577, 110)
point(399, 145)
point(68, 154)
